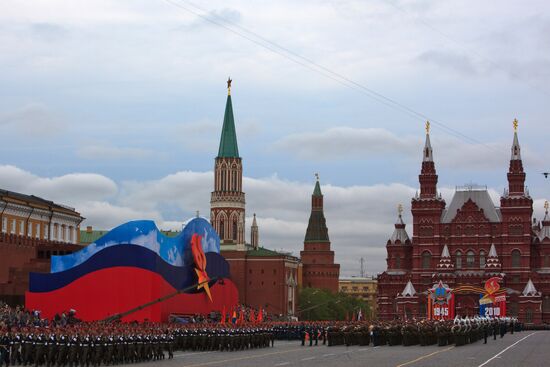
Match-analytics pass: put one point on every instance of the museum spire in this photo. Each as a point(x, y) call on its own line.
point(516, 174)
point(428, 175)
point(428, 152)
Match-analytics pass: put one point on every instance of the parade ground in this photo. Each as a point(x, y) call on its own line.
point(528, 348)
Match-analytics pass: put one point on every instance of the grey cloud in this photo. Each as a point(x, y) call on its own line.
point(461, 64)
point(48, 31)
point(113, 152)
point(71, 189)
point(101, 214)
point(35, 120)
point(228, 14)
point(347, 142)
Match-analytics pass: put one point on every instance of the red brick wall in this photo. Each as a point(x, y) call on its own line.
point(20, 255)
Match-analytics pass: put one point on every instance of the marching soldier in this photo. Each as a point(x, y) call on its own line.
point(15, 355)
point(39, 341)
point(51, 349)
point(5, 341)
point(73, 346)
point(62, 345)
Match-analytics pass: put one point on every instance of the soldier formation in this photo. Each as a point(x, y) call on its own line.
point(27, 339)
point(95, 344)
point(426, 332)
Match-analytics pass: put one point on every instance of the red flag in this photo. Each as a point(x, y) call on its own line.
point(223, 315)
point(260, 316)
point(241, 316)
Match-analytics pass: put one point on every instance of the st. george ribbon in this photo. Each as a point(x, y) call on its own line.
point(200, 264)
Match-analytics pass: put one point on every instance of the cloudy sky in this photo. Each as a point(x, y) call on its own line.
point(115, 107)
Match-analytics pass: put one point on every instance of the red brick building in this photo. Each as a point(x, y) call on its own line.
point(32, 230)
point(265, 279)
point(319, 269)
point(466, 243)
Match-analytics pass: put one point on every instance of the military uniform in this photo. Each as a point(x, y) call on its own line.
point(5, 341)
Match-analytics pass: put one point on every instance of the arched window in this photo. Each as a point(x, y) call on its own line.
point(481, 259)
point(426, 260)
point(223, 180)
point(235, 229)
point(398, 262)
point(222, 229)
point(234, 181)
point(470, 259)
point(458, 260)
point(516, 259)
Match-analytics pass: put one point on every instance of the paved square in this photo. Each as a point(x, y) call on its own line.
point(529, 348)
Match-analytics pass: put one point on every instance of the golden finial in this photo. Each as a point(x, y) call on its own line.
point(546, 206)
point(427, 127)
point(317, 176)
point(229, 86)
point(400, 209)
point(515, 124)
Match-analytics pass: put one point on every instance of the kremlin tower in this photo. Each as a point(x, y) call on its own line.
point(319, 269)
point(227, 203)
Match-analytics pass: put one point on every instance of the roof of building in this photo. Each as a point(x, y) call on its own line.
point(428, 151)
point(493, 251)
point(445, 252)
point(529, 289)
point(399, 233)
point(358, 279)
point(37, 200)
point(409, 290)
point(228, 141)
point(317, 230)
point(317, 189)
point(264, 252)
point(516, 149)
point(545, 229)
point(480, 196)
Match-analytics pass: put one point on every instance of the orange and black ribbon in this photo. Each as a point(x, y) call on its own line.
point(200, 264)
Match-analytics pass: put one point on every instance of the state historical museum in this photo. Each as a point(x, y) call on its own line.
point(470, 251)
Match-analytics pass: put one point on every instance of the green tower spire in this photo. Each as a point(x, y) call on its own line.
point(317, 190)
point(228, 141)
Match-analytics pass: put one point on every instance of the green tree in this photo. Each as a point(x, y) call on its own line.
point(319, 304)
